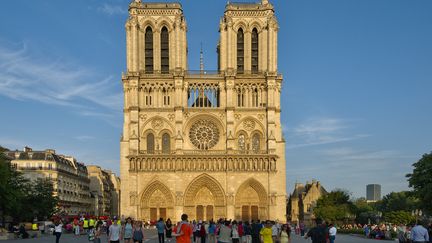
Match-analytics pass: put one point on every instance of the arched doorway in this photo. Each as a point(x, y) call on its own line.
point(204, 199)
point(251, 201)
point(156, 202)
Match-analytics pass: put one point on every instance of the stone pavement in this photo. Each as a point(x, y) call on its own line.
point(151, 237)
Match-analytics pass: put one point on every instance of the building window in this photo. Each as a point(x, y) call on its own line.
point(166, 97)
point(149, 50)
point(242, 142)
point(256, 142)
point(166, 143)
point(148, 97)
point(49, 166)
point(240, 51)
point(164, 50)
point(254, 60)
point(150, 143)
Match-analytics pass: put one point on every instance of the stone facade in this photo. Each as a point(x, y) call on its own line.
point(69, 177)
point(302, 201)
point(205, 143)
point(104, 186)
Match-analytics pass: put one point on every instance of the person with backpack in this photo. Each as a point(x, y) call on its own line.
point(317, 233)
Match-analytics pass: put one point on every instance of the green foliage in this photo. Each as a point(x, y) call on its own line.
point(22, 199)
point(421, 181)
point(399, 217)
point(335, 207)
point(398, 201)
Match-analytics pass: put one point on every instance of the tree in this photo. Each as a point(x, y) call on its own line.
point(41, 199)
point(398, 201)
point(335, 207)
point(13, 187)
point(421, 181)
point(399, 217)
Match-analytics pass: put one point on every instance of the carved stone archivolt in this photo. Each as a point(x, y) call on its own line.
point(156, 193)
point(251, 192)
point(213, 191)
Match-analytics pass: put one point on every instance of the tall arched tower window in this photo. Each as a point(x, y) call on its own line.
point(164, 50)
point(254, 60)
point(150, 143)
point(166, 143)
point(242, 142)
point(256, 142)
point(148, 50)
point(240, 51)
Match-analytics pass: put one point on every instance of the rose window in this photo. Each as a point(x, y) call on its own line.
point(204, 134)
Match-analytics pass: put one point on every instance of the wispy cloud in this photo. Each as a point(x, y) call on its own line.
point(320, 131)
point(112, 9)
point(52, 80)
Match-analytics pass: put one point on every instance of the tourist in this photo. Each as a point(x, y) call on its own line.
point(266, 233)
point(58, 229)
point(401, 233)
point(224, 232)
point(332, 233)
point(168, 229)
point(212, 232)
point(284, 234)
point(302, 229)
point(160, 226)
point(235, 236)
point(114, 232)
point(247, 233)
point(256, 229)
point(275, 232)
point(419, 234)
point(127, 230)
point(138, 233)
point(202, 232)
point(183, 231)
point(430, 232)
point(197, 231)
point(317, 233)
point(98, 232)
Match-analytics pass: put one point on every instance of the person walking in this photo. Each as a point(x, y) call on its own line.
point(266, 233)
point(183, 230)
point(168, 229)
point(224, 232)
point(138, 233)
point(235, 235)
point(212, 232)
point(317, 233)
point(419, 234)
point(98, 232)
point(127, 230)
point(256, 229)
point(332, 233)
point(160, 226)
point(284, 235)
point(58, 229)
point(114, 232)
point(247, 233)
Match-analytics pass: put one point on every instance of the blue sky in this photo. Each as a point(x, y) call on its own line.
point(356, 92)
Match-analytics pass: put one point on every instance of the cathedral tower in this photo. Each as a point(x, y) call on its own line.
point(205, 143)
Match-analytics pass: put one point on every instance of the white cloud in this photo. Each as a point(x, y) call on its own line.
point(111, 9)
point(51, 80)
point(321, 131)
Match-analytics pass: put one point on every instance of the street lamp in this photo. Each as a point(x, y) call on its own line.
point(417, 213)
point(379, 214)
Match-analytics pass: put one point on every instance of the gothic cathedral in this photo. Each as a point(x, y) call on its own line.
point(205, 143)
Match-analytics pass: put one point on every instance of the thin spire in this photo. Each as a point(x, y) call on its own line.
point(201, 60)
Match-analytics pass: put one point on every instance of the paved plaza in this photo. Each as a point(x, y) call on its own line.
point(151, 237)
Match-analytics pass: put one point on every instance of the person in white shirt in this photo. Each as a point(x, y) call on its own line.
point(332, 233)
point(114, 232)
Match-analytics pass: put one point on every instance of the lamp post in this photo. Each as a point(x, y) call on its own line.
point(417, 213)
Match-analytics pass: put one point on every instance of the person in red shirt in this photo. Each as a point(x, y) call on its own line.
point(183, 231)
